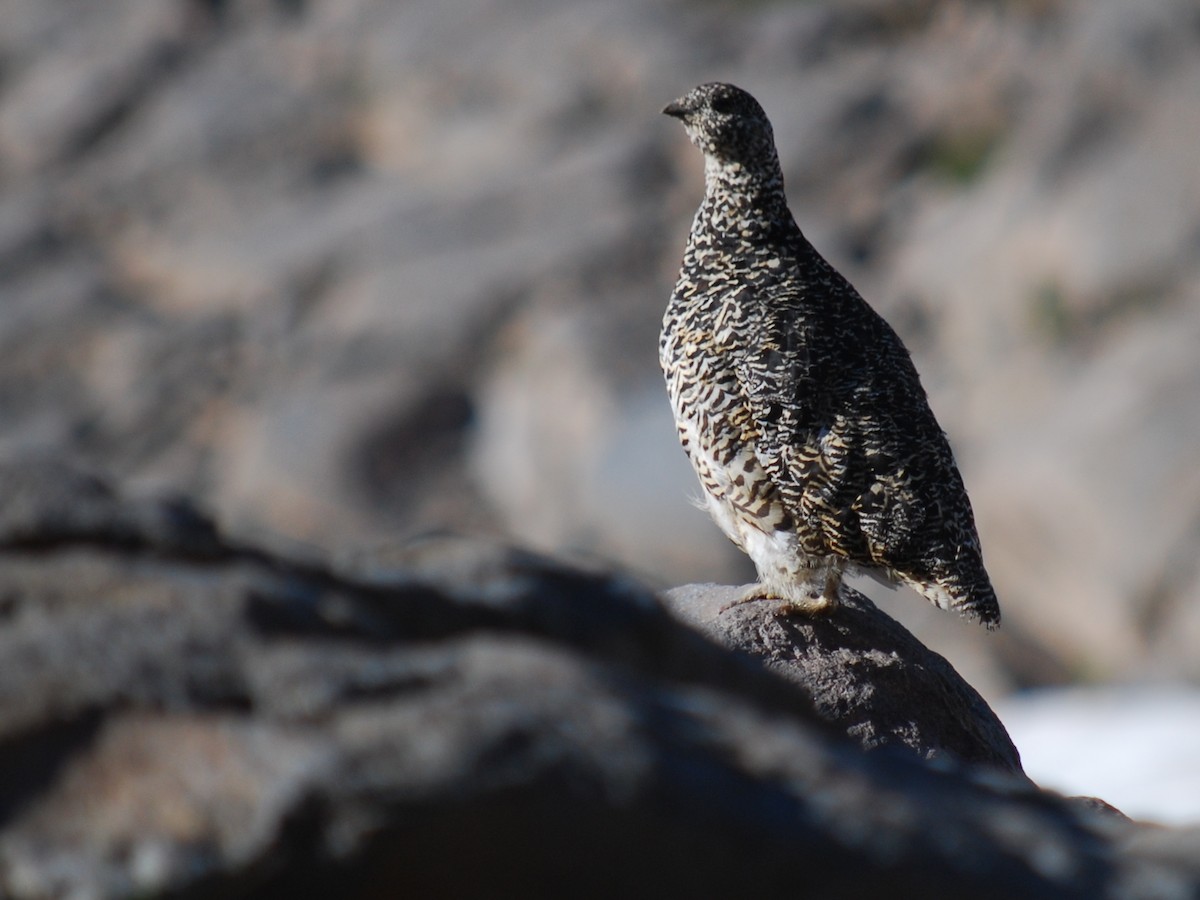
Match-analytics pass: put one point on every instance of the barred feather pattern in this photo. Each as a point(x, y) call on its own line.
point(797, 404)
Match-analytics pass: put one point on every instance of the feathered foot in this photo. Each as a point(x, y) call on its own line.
point(814, 604)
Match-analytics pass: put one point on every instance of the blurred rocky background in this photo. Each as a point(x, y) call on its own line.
point(352, 271)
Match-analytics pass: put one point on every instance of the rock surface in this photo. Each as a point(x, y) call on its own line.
point(195, 718)
point(864, 671)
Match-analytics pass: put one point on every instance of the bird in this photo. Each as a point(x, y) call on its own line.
point(798, 405)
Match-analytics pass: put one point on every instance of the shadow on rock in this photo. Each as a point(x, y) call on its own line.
point(193, 718)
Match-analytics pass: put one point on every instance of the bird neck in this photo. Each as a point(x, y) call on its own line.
point(743, 201)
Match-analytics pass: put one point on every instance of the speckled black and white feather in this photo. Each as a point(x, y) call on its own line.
point(796, 402)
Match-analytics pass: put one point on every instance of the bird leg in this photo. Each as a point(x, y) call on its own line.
point(814, 604)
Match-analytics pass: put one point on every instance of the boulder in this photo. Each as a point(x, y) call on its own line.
point(865, 672)
point(182, 715)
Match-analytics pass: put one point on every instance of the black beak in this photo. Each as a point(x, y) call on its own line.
point(675, 109)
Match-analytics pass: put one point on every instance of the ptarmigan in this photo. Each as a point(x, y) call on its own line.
point(797, 404)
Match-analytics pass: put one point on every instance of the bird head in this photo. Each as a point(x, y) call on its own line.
point(726, 123)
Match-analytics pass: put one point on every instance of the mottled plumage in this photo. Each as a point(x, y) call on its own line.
point(797, 404)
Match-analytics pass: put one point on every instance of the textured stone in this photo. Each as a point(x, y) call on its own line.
point(190, 717)
point(864, 671)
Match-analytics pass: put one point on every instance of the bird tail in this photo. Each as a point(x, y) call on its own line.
point(975, 599)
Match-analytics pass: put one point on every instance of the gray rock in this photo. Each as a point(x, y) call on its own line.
point(864, 671)
point(456, 719)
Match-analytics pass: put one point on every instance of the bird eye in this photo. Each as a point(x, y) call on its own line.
point(723, 105)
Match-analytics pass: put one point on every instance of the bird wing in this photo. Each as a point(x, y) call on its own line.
point(845, 433)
